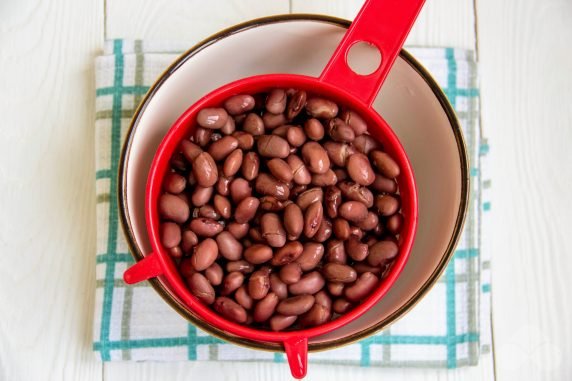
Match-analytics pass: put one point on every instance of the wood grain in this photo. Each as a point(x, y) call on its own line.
point(526, 97)
point(441, 22)
point(185, 20)
point(47, 198)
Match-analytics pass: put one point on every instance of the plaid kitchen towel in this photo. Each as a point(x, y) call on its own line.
point(449, 328)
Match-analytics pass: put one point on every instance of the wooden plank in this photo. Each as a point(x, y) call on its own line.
point(47, 198)
point(277, 372)
point(441, 22)
point(526, 97)
point(190, 20)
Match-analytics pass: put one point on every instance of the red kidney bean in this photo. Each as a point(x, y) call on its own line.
point(223, 185)
point(362, 267)
point(310, 196)
point(201, 288)
point(220, 149)
point(186, 268)
point(241, 296)
point(189, 239)
point(232, 281)
point(214, 273)
point(295, 136)
point(230, 309)
point(232, 163)
point(355, 249)
point(229, 127)
point(272, 230)
point(317, 315)
point(394, 223)
point(239, 190)
point(273, 146)
point(314, 129)
point(290, 273)
point(259, 284)
point(313, 219)
point(333, 199)
point(174, 183)
point(335, 252)
point(205, 170)
point(241, 265)
point(341, 306)
point(265, 308)
point(310, 283)
point(258, 253)
point(239, 104)
point(355, 121)
point(271, 204)
point(324, 231)
point(363, 286)
point(335, 288)
point(204, 254)
point(296, 104)
point(370, 222)
point(354, 230)
point(311, 256)
point(381, 252)
point(205, 227)
point(293, 221)
point(239, 231)
point(273, 120)
point(341, 229)
point(280, 169)
point(355, 192)
point(190, 150)
point(324, 179)
point(321, 108)
point(360, 170)
point(270, 186)
point(179, 163)
point(338, 153)
point(173, 208)
point(201, 195)
point(280, 322)
point(287, 254)
point(353, 211)
point(256, 235)
point(281, 131)
point(209, 212)
point(222, 206)
point(386, 205)
point(339, 131)
point(246, 209)
point(296, 305)
point(250, 166)
point(229, 247)
point(245, 140)
point(315, 157)
point(383, 184)
point(337, 272)
point(202, 136)
point(278, 287)
point(365, 144)
point(276, 101)
point(253, 124)
point(213, 118)
point(170, 234)
point(300, 172)
point(385, 164)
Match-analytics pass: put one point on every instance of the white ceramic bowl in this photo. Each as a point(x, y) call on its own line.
point(410, 101)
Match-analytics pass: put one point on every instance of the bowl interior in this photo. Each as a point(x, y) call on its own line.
point(407, 101)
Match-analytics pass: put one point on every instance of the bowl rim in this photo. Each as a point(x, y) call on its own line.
point(179, 307)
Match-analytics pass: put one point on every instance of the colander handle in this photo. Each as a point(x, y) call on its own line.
point(297, 354)
point(147, 268)
point(384, 24)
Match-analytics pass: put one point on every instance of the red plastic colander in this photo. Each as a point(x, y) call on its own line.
point(382, 23)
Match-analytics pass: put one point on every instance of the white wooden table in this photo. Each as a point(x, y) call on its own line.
point(47, 202)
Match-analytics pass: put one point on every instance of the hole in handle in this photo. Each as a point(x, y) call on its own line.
point(363, 58)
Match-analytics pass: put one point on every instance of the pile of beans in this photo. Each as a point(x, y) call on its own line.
point(281, 210)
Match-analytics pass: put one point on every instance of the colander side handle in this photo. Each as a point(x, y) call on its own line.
point(384, 24)
point(297, 354)
point(147, 268)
